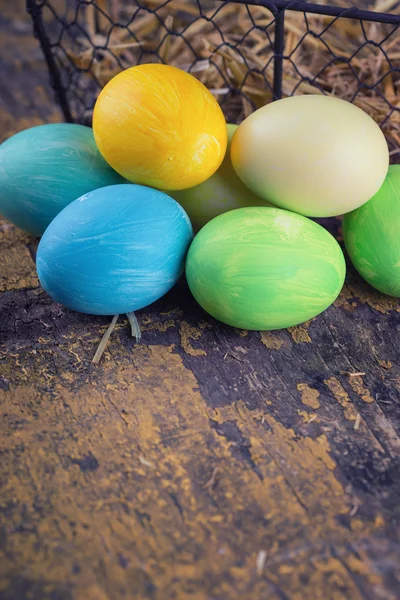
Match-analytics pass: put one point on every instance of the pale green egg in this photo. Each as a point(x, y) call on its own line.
point(223, 191)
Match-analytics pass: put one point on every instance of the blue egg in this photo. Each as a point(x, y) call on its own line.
point(114, 250)
point(44, 168)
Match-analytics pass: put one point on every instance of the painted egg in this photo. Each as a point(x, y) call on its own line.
point(159, 126)
point(315, 155)
point(223, 191)
point(114, 250)
point(264, 268)
point(372, 236)
point(44, 168)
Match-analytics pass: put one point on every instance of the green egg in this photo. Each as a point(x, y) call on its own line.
point(372, 236)
point(223, 191)
point(264, 268)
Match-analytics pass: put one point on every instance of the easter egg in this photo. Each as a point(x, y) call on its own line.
point(264, 268)
point(114, 250)
point(315, 155)
point(159, 126)
point(223, 191)
point(372, 236)
point(44, 168)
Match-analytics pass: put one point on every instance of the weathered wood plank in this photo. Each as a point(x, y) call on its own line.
point(205, 463)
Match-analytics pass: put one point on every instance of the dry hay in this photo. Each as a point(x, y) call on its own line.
point(228, 47)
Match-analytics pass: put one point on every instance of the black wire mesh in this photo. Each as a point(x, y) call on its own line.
point(247, 55)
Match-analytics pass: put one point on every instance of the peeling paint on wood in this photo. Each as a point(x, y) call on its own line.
point(309, 397)
point(271, 340)
point(342, 397)
point(300, 333)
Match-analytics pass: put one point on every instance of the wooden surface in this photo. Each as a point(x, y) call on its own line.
point(204, 464)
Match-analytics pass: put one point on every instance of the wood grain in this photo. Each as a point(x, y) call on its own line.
point(205, 463)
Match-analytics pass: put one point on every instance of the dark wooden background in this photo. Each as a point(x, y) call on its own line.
point(204, 464)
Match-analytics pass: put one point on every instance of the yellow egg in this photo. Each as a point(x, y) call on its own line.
point(159, 126)
point(315, 155)
point(223, 191)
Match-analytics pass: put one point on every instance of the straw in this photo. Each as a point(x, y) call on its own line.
point(228, 47)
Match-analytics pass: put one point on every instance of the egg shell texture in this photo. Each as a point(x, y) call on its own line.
point(264, 268)
point(223, 191)
point(114, 250)
point(159, 126)
point(372, 236)
point(315, 155)
point(44, 168)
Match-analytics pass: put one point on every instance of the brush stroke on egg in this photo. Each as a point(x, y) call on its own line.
point(263, 268)
point(44, 168)
point(371, 236)
point(115, 250)
point(159, 126)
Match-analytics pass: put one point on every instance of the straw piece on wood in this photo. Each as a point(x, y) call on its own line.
point(104, 340)
point(135, 328)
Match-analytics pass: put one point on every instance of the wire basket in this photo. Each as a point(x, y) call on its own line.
point(246, 53)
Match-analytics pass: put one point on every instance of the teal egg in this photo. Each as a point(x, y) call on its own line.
point(372, 236)
point(114, 250)
point(44, 168)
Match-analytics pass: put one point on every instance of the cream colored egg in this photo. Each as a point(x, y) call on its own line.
point(315, 155)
